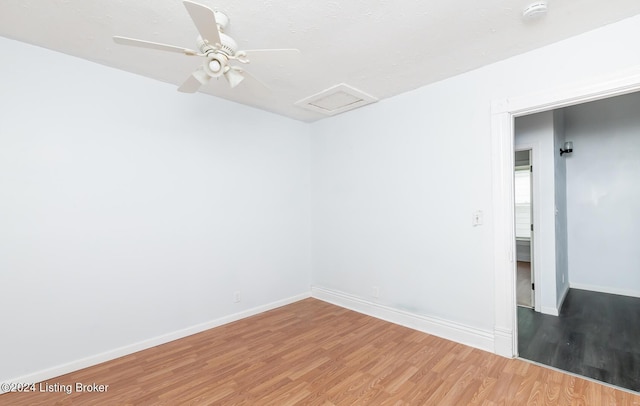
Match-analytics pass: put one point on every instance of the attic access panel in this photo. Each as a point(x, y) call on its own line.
point(336, 99)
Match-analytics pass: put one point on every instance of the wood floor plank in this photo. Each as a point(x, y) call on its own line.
point(314, 353)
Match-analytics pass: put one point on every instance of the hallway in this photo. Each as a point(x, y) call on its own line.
point(596, 335)
point(523, 289)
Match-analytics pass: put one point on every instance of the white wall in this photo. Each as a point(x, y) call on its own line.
point(603, 177)
point(395, 183)
point(393, 195)
point(536, 131)
point(129, 210)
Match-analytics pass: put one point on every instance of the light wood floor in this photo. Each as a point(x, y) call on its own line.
point(314, 353)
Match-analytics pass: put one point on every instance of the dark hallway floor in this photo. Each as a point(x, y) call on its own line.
point(596, 335)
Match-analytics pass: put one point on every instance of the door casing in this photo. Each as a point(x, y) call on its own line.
point(503, 114)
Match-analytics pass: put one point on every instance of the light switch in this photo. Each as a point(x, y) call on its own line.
point(477, 218)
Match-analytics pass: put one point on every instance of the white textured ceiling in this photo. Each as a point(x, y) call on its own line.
point(378, 46)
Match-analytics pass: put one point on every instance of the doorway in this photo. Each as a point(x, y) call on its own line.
point(503, 113)
point(523, 211)
point(595, 332)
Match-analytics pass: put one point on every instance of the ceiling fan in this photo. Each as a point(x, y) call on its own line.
point(217, 48)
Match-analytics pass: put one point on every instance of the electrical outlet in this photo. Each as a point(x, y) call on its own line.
point(236, 296)
point(376, 292)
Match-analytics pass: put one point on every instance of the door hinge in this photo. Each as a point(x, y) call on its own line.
point(531, 226)
point(533, 286)
point(531, 168)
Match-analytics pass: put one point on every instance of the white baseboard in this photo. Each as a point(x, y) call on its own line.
point(555, 311)
point(457, 332)
point(602, 289)
point(92, 360)
point(564, 296)
point(551, 311)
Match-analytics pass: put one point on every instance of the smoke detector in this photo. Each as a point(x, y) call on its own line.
point(535, 10)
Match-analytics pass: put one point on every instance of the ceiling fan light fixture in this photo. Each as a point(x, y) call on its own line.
point(234, 77)
point(215, 65)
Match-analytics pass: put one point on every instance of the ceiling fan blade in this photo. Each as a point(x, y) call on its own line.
point(205, 20)
point(285, 56)
point(257, 86)
point(194, 81)
point(152, 45)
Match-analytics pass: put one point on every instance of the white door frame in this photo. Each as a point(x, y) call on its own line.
point(503, 113)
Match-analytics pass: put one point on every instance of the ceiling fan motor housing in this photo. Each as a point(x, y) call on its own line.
point(229, 46)
point(222, 20)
